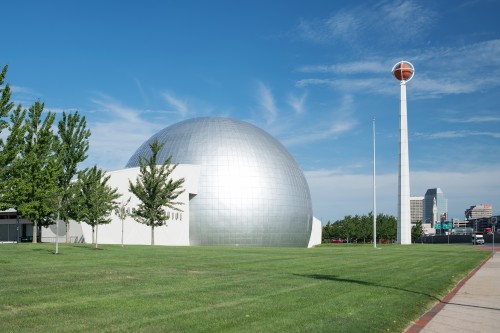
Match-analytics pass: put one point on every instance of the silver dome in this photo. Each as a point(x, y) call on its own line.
point(251, 191)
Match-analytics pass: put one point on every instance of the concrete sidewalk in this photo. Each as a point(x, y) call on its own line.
point(472, 307)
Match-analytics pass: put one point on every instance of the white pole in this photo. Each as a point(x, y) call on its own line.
point(404, 223)
point(374, 193)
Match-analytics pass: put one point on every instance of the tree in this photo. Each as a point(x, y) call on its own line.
point(386, 227)
point(94, 199)
point(416, 231)
point(155, 190)
point(5, 104)
point(122, 211)
point(32, 169)
point(74, 144)
point(10, 149)
point(360, 228)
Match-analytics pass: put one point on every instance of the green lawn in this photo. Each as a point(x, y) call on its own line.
point(341, 288)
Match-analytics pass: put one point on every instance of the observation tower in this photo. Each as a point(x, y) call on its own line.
point(403, 71)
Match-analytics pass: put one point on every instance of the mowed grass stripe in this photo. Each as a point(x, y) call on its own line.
point(224, 289)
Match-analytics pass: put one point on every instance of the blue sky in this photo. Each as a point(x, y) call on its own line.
point(312, 73)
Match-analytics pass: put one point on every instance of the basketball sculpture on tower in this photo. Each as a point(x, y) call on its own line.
point(403, 71)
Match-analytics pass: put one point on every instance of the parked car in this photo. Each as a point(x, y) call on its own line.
point(477, 239)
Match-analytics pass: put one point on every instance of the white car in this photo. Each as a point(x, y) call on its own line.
point(477, 240)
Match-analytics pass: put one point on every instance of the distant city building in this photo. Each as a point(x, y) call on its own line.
point(478, 211)
point(435, 206)
point(416, 209)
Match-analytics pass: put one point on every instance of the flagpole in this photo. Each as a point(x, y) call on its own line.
point(374, 193)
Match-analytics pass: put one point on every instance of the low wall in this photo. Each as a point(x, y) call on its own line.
point(455, 239)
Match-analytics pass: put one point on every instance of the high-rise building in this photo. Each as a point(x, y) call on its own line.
point(434, 200)
point(416, 209)
point(478, 211)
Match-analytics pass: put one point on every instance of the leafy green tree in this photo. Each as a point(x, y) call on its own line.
point(93, 199)
point(386, 227)
point(326, 233)
point(122, 211)
point(74, 143)
point(10, 149)
point(5, 104)
point(417, 231)
point(360, 228)
point(32, 166)
point(155, 190)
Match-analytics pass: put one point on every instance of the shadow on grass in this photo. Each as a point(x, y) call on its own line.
point(366, 283)
point(363, 283)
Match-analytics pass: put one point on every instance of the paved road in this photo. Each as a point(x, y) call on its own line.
point(475, 307)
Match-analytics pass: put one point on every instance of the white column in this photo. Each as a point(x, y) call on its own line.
point(404, 216)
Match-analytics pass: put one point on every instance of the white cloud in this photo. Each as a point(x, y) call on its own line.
point(463, 67)
point(116, 137)
point(336, 194)
point(319, 134)
point(458, 134)
point(297, 102)
point(179, 105)
point(357, 67)
point(341, 122)
point(367, 85)
point(474, 119)
point(358, 25)
point(266, 101)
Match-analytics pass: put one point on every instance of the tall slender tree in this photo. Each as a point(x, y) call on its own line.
point(74, 143)
point(39, 169)
point(122, 211)
point(94, 198)
point(156, 190)
point(5, 104)
point(10, 149)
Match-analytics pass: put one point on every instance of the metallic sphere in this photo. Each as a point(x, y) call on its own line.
point(251, 191)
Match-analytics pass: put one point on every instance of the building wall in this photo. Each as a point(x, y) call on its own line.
point(416, 209)
point(478, 211)
point(176, 232)
point(315, 233)
point(441, 202)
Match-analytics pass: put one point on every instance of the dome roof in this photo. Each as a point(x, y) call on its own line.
point(251, 191)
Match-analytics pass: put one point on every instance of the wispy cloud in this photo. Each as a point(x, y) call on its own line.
point(458, 134)
point(141, 91)
point(357, 67)
point(181, 106)
point(297, 102)
point(358, 24)
point(465, 72)
point(341, 122)
point(353, 85)
point(474, 119)
point(121, 111)
point(266, 101)
point(116, 133)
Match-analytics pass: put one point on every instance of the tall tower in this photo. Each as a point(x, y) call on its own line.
point(403, 71)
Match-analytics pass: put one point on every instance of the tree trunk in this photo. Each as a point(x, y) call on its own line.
point(152, 235)
point(68, 238)
point(93, 234)
point(35, 231)
point(96, 234)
